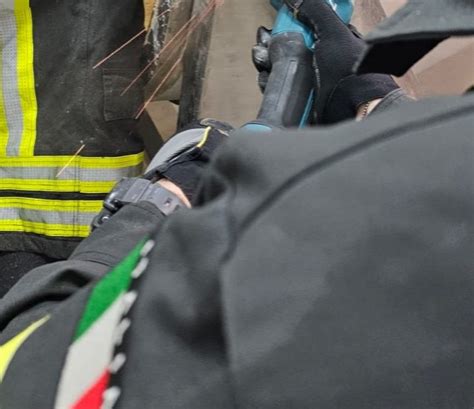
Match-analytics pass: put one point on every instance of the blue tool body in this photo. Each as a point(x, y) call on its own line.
point(286, 22)
point(289, 93)
point(343, 8)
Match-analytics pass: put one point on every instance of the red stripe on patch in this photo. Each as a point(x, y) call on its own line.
point(92, 399)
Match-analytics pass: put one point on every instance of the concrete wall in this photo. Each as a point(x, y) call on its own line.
point(231, 92)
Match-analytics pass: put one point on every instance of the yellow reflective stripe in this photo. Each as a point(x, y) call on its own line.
point(26, 76)
point(57, 162)
point(3, 115)
point(59, 186)
point(45, 229)
point(9, 349)
point(78, 161)
point(204, 138)
point(29, 203)
point(54, 218)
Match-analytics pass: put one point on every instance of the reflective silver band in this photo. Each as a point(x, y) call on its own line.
point(48, 217)
point(9, 71)
point(69, 173)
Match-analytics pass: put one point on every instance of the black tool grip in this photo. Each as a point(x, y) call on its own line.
point(288, 96)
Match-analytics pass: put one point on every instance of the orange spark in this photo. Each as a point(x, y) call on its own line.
point(157, 89)
point(129, 41)
point(70, 160)
point(118, 49)
point(189, 27)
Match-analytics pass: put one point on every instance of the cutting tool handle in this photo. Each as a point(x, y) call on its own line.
point(288, 97)
point(289, 93)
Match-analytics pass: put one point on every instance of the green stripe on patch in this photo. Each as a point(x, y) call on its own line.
point(108, 290)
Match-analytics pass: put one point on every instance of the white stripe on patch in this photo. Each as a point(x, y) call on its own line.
point(89, 357)
point(140, 269)
point(117, 363)
point(110, 397)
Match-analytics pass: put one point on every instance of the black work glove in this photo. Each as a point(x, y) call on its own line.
point(261, 56)
point(339, 92)
point(183, 158)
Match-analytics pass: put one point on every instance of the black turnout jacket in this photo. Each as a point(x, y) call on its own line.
point(327, 268)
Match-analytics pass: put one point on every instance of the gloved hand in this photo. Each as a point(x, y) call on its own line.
point(261, 56)
point(339, 92)
point(183, 158)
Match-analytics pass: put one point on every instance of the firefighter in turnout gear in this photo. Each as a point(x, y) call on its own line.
point(66, 134)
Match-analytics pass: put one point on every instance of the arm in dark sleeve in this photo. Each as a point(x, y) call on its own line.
point(281, 254)
point(392, 100)
point(41, 290)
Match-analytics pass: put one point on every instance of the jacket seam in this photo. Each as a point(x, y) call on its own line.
point(315, 167)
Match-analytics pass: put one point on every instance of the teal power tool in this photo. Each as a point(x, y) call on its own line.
point(289, 93)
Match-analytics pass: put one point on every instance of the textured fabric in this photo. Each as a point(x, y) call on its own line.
point(11, 113)
point(14, 265)
point(9, 349)
point(184, 158)
point(96, 334)
point(65, 132)
point(330, 265)
point(413, 31)
point(392, 100)
point(354, 91)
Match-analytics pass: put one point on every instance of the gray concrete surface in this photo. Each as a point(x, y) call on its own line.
point(230, 91)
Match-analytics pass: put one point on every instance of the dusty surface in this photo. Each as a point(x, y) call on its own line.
point(230, 91)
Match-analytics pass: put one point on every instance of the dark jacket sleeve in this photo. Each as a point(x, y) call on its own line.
point(325, 266)
point(393, 100)
point(44, 288)
point(334, 269)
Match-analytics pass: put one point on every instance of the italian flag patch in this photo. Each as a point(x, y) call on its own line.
point(90, 360)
